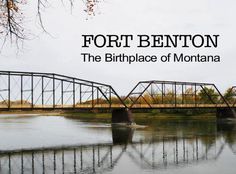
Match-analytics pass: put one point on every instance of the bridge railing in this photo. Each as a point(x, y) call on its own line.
point(19, 90)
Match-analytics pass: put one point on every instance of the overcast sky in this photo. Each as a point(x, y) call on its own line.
point(60, 53)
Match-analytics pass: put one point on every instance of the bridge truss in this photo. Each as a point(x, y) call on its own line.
point(34, 90)
point(172, 94)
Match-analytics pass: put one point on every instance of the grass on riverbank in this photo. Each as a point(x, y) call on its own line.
point(106, 117)
point(140, 117)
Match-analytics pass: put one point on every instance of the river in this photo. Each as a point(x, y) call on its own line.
point(57, 144)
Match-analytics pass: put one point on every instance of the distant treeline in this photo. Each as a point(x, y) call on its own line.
point(204, 96)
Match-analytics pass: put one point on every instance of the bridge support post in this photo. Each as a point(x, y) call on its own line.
point(223, 113)
point(122, 116)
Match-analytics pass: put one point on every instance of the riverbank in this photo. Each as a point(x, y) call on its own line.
point(94, 115)
point(36, 112)
point(147, 117)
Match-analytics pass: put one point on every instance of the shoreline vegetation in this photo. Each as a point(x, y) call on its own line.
point(140, 117)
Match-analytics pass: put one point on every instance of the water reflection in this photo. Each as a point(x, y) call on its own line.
point(228, 132)
point(155, 152)
point(122, 135)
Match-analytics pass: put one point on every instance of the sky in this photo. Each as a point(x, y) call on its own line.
point(59, 51)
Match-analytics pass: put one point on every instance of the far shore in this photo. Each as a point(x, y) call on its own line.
point(16, 112)
point(92, 116)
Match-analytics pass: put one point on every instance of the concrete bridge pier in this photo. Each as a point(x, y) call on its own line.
point(122, 135)
point(123, 115)
point(223, 113)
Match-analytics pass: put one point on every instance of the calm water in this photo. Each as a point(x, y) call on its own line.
point(40, 144)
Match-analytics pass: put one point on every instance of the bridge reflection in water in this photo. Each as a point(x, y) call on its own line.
point(159, 152)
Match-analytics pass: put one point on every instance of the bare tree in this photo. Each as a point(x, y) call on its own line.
point(11, 20)
point(11, 17)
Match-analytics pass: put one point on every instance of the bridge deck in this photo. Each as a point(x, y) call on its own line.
point(116, 106)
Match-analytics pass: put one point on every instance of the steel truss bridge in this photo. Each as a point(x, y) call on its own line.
point(35, 90)
point(157, 154)
point(173, 94)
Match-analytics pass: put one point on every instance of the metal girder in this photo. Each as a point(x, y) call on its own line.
point(34, 90)
point(175, 94)
point(49, 75)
